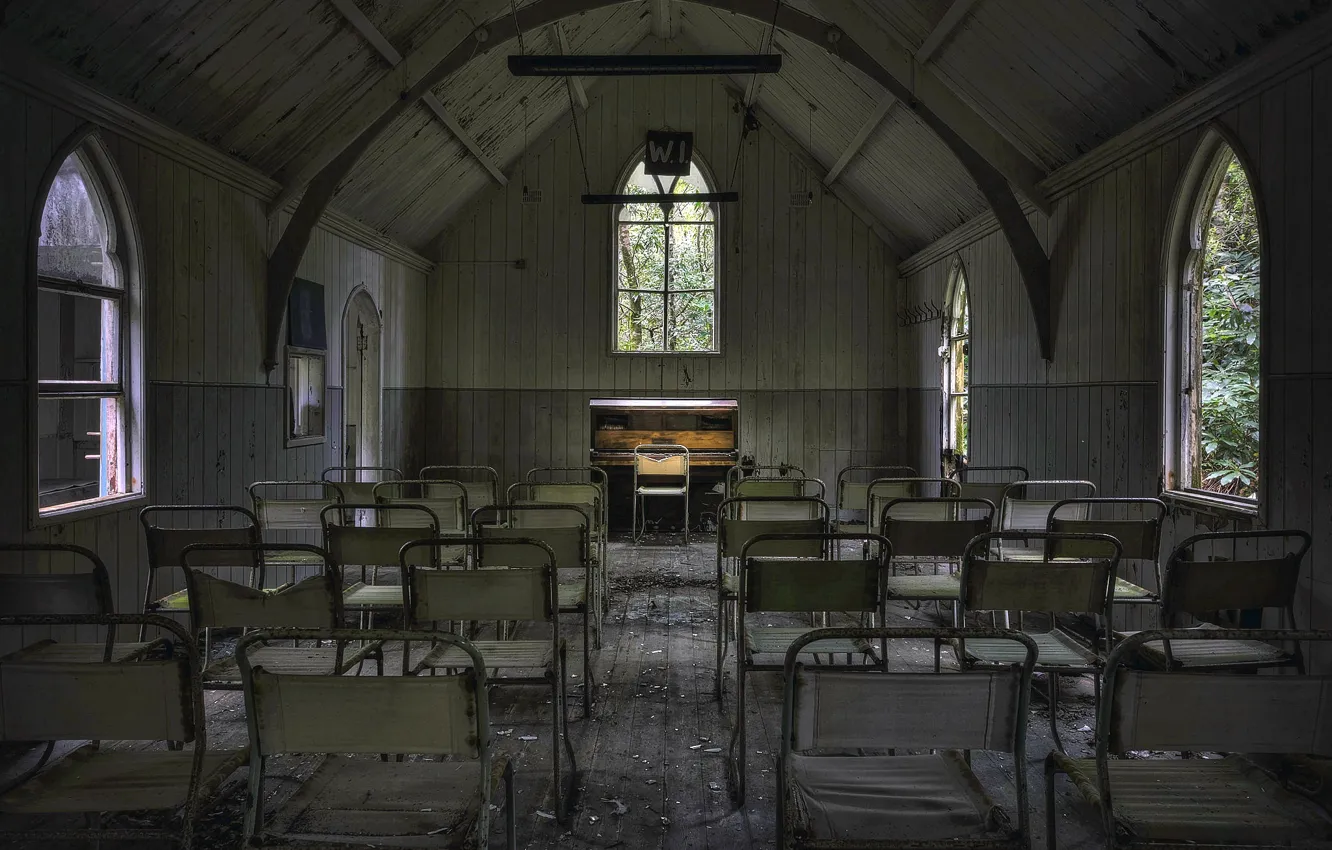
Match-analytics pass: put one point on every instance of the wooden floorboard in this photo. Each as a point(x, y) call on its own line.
point(652, 759)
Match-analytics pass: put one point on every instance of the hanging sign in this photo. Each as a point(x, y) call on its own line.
point(668, 152)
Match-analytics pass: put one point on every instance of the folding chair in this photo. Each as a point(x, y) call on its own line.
point(790, 585)
point(1027, 505)
point(781, 472)
point(357, 483)
point(994, 581)
point(521, 594)
point(564, 530)
point(447, 500)
point(85, 591)
point(291, 509)
point(881, 491)
point(843, 779)
point(310, 603)
point(146, 699)
point(482, 483)
point(1138, 530)
point(777, 487)
point(668, 465)
point(229, 524)
point(366, 801)
point(988, 482)
point(1198, 588)
point(736, 526)
point(373, 548)
point(931, 531)
point(591, 495)
point(853, 496)
point(1278, 723)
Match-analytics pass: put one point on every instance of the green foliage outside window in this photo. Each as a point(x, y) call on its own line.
point(1228, 368)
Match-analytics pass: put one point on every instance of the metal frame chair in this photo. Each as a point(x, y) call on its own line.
point(992, 491)
point(1250, 800)
point(734, 476)
point(314, 602)
point(373, 548)
point(144, 699)
point(576, 493)
point(285, 513)
point(447, 500)
point(931, 530)
point(791, 585)
point(854, 495)
point(881, 491)
point(1195, 588)
point(1018, 513)
point(1044, 584)
point(672, 457)
point(446, 715)
point(165, 544)
point(735, 530)
point(842, 731)
point(1139, 538)
point(479, 493)
point(792, 486)
point(357, 490)
point(522, 594)
point(569, 541)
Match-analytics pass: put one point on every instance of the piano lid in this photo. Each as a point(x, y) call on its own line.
point(665, 403)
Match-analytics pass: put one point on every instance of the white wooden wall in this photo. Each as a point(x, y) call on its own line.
point(1096, 411)
point(807, 296)
point(215, 423)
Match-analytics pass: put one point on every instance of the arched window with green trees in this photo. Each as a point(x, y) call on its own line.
point(666, 267)
point(956, 378)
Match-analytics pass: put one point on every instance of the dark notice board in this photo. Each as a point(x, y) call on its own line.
point(305, 316)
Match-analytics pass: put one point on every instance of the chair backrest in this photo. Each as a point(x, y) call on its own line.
point(482, 483)
point(881, 491)
point(358, 482)
point(652, 460)
point(841, 711)
point(167, 541)
point(1217, 711)
point(929, 527)
point(1000, 583)
point(412, 714)
point(590, 497)
point(568, 543)
point(740, 519)
point(143, 700)
point(736, 474)
point(1023, 509)
point(377, 545)
point(1194, 586)
point(292, 505)
point(1139, 536)
point(516, 593)
point(813, 584)
point(312, 603)
point(447, 500)
point(561, 513)
point(988, 482)
point(854, 495)
point(788, 487)
point(86, 589)
point(541, 477)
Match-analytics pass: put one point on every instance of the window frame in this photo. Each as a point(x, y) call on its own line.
point(1190, 220)
point(613, 337)
point(293, 440)
point(108, 193)
point(958, 285)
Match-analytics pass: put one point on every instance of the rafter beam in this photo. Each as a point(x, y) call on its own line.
point(957, 13)
point(371, 33)
point(663, 19)
point(858, 141)
point(575, 84)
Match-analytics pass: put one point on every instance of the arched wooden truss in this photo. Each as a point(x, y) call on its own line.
point(993, 162)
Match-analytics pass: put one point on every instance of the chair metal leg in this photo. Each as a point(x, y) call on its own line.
point(1050, 820)
point(686, 515)
point(721, 644)
point(1052, 679)
point(737, 753)
point(510, 810)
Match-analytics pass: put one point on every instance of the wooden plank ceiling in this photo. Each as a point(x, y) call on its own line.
point(263, 79)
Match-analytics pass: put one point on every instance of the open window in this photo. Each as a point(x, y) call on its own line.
point(955, 380)
point(1214, 312)
point(89, 353)
point(666, 268)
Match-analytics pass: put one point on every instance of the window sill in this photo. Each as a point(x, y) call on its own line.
point(1206, 503)
point(88, 510)
point(297, 442)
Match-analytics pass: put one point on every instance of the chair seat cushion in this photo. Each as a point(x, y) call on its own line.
point(1202, 654)
point(1204, 801)
point(293, 558)
point(178, 601)
point(941, 587)
point(498, 654)
point(661, 491)
point(81, 653)
point(889, 798)
point(1055, 650)
point(1127, 592)
point(778, 640)
point(386, 804)
point(103, 780)
point(292, 660)
point(362, 595)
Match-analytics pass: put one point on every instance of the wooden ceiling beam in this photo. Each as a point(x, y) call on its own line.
point(956, 15)
point(862, 135)
point(663, 19)
point(576, 87)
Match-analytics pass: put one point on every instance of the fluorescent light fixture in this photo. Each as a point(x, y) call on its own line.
point(585, 65)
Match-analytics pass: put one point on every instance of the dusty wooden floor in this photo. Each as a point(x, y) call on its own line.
point(652, 758)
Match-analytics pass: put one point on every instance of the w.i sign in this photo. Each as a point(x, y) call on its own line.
point(668, 152)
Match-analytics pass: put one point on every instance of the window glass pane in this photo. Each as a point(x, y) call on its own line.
point(693, 210)
point(693, 256)
point(73, 238)
point(958, 366)
point(305, 387)
point(78, 337)
point(641, 212)
point(79, 450)
point(961, 423)
point(691, 321)
point(961, 319)
point(642, 257)
point(639, 322)
point(1228, 367)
